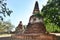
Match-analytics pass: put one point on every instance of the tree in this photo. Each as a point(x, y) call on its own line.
point(51, 13)
point(4, 10)
point(6, 26)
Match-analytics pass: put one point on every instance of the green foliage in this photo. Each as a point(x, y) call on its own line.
point(4, 10)
point(5, 26)
point(51, 13)
point(38, 15)
point(52, 27)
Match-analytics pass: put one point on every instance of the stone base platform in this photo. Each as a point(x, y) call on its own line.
point(40, 36)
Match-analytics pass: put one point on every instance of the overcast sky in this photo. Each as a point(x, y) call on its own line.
point(22, 10)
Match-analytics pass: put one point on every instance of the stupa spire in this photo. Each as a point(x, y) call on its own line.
point(36, 8)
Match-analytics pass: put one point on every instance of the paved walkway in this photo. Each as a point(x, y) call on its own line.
point(5, 37)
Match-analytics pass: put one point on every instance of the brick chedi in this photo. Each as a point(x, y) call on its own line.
point(35, 29)
point(20, 25)
point(19, 28)
point(36, 24)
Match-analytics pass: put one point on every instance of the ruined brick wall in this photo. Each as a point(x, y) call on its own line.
point(35, 37)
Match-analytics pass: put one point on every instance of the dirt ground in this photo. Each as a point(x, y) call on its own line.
point(5, 38)
point(9, 38)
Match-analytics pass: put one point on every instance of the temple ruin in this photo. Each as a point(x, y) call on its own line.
point(35, 29)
